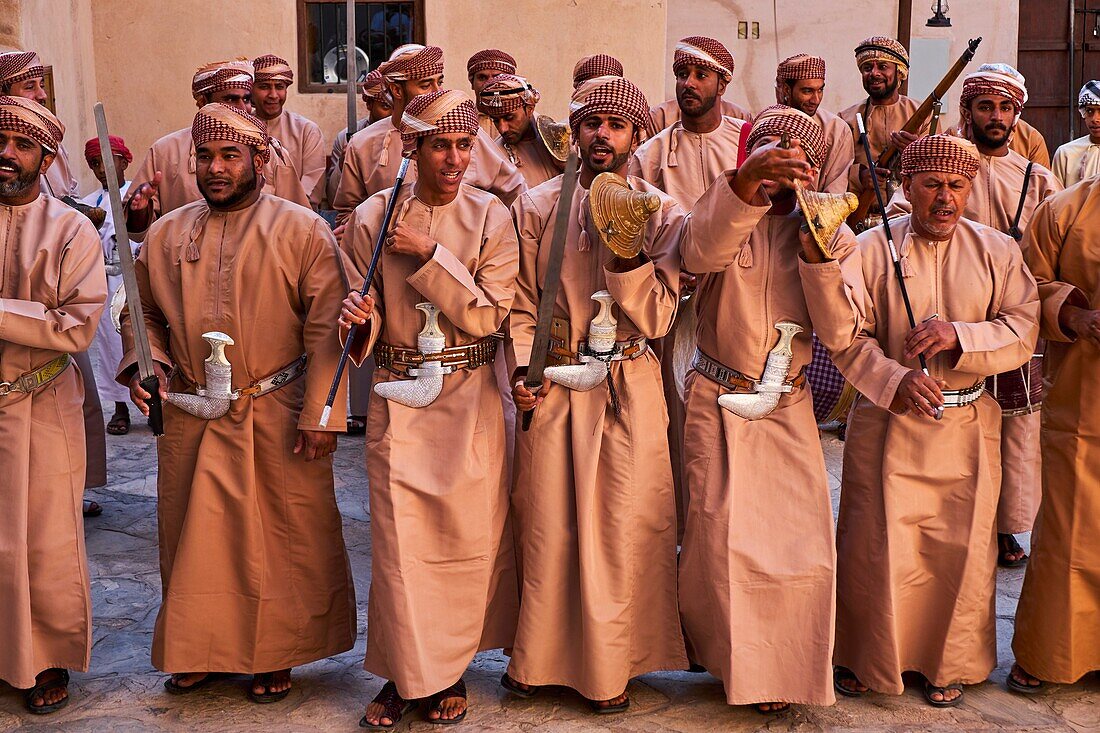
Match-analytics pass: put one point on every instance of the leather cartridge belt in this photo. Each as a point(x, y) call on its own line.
point(258, 388)
point(734, 380)
point(560, 354)
point(471, 356)
point(963, 397)
point(28, 382)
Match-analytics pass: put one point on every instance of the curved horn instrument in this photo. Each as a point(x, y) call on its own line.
point(824, 213)
point(620, 213)
point(554, 136)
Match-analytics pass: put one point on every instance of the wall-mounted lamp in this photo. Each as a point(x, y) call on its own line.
point(939, 17)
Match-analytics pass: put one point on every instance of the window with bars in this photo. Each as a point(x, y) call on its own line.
point(380, 27)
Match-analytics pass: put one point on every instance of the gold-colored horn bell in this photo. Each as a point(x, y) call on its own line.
point(824, 213)
point(620, 213)
point(554, 136)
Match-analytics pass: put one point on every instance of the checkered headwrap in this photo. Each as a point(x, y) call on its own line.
point(943, 153)
point(272, 68)
point(436, 113)
point(413, 61)
point(505, 93)
point(779, 119)
point(800, 66)
point(491, 58)
point(998, 79)
point(374, 85)
point(222, 75)
point(28, 117)
point(884, 48)
point(16, 66)
point(703, 51)
point(1089, 96)
point(599, 64)
point(218, 121)
point(609, 95)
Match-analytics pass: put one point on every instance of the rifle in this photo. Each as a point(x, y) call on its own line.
point(913, 125)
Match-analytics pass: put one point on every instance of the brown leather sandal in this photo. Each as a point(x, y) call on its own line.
point(393, 705)
point(435, 703)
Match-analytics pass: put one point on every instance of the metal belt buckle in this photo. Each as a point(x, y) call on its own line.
point(6, 388)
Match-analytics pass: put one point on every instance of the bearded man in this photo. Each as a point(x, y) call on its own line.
point(379, 106)
point(800, 83)
point(301, 139)
point(509, 101)
point(254, 572)
point(916, 535)
point(480, 68)
point(51, 296)
point(166, 179)
point(438, 475)
point(716, 56)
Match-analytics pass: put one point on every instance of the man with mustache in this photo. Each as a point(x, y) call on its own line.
point(1079, 159)
point(509, 101)
point(254, 572)
point(480, 68)
point(379, 106)
point(51, 294)
point(166, 179)
point(916, 535)
point(800, 83)
point(883, 65)
point(668, 112)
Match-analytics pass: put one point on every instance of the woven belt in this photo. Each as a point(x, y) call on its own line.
point(624, 351)
point(28, 382)
point(470, 356)
point(963, 397)
point(733, 379)
point(281, 378)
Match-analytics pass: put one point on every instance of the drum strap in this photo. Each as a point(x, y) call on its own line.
point(1014, 230)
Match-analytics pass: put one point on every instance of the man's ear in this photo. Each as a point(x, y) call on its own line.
point(906, 184)
point(396, 90)
point(47, 161)
point(722, 84)
point(964, 110)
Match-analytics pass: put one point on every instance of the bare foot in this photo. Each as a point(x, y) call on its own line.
point(772, 707)
point(449, 709)
point(847, 679)
point(188, 679)
point(271, 683)
point(50, 697)
point(386, 708)
point(613, 702)
point(1023, 678)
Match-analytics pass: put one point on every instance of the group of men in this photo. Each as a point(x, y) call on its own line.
point(637, 527)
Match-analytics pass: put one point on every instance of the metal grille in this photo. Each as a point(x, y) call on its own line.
point(380, 28)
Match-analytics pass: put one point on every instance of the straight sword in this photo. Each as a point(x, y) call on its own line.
point(349, 69)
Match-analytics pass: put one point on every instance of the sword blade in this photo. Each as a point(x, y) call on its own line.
point(350, 56)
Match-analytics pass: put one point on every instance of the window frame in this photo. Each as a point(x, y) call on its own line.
point(304, 85)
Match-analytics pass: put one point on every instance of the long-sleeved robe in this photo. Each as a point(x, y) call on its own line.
point(534, 161)
point(336, 161)
point(59, 180)
point(840, 152)
point(304, 146)
point(880, 120)
point(1030, 143)
point(1076, 160)
point(52, 290)
point(253, 567)
point(372, 157)
point(916, 536)
point(593, 494)
point(667, 112)
point(757, 575)
point(1057, 635)
point(174, 156)
point(443, 574)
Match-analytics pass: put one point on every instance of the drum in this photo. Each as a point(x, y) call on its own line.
point(832, 395)
point(1019, 392)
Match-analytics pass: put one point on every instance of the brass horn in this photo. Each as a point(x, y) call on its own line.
point(554, 136)
point(823, 212)
point(620, 213)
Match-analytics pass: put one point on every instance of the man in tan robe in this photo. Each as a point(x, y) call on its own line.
point(916, 536)
point(379, 106)
point(373, 155)
point(480, 68)
point(1079, 159)
point(301, 139)
point(668, 112)
point(509, 101)
point(166, 179)
point(254, 572)
point(756, 569)
point(593, 484)
point(443, 583)
point(51, 294)
point(800, 83)
point(1057, 635)
point(1030, 143)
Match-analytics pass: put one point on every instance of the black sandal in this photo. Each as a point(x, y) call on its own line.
point(930, 689)
point(119, 424)
point(264, 698)
point(619, 707)
point(90, 508)
point(759, 707)
point(435, 703)
point(177, 689)
point(843, 674)
point(516, 689)
point(393, 705)
point(60, 682)
point(1022, 687)
point(1007, 545)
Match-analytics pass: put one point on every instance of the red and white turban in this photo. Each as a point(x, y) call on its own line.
point(437, 113)
point(272, 68)
point(599, 64)
point(222, 75)
point(413, 61)
point(218, 121)
point(373, 86)
point(800, 66)
point(778, 119)
point(608, 95)
point(506, 93)
point(28, 117)
point(17, 66)
point(491, 59)
point(703, 51)
point(118, 147)
point(996, 79)
point(941, 153)
point(884, 48)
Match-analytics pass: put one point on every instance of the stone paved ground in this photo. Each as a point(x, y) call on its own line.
point(123, 692)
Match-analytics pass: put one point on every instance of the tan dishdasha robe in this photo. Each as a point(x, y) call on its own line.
point(667, 112)
point(52, 290)
point(593, 494)
point(757, 575)
point(443, 574)
point(880, 120)
point(916, 536)
point(59, 180)
point(1057, 630)
point(1030, 143)
point(534, 161)
point(304, 146)
point(254, 571)
point(839, 152)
